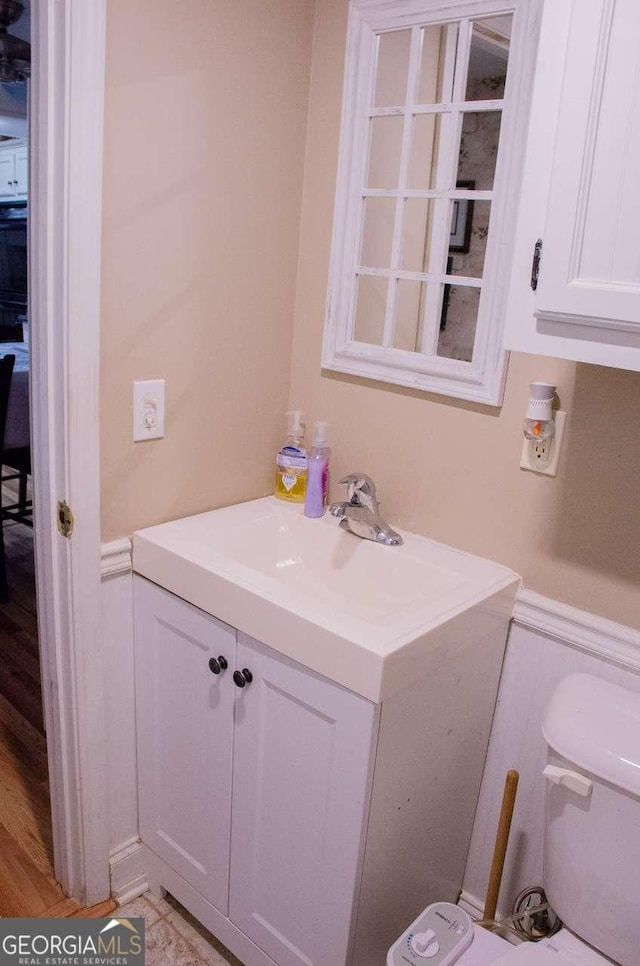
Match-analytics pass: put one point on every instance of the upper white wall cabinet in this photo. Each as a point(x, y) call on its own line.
point(581, 191)
point(434, 123)
point(14, 170)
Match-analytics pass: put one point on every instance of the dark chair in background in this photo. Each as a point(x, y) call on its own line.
point(11, 333)
point(18, 460)
point(11, 320)
point(6, 371)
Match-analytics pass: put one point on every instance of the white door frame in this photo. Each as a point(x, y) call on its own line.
point(67, 97)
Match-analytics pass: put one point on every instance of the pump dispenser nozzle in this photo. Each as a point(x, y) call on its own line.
point(320, 437)
point(296, 426)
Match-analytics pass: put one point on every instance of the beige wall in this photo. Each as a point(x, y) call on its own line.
point(205, 128)
point(204, 142)
point(450, 469)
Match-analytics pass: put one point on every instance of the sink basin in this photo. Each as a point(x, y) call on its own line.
point(368, 616)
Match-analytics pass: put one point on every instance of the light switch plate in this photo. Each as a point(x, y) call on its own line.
point(148, 409)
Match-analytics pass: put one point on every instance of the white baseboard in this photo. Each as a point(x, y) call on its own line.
point(128, 872)
point(473, 906)
point(603, 638)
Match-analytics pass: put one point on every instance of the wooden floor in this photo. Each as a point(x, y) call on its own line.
point(27, 883)
point(19, 658)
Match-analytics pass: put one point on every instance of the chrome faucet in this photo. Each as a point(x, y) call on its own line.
point(360, 513)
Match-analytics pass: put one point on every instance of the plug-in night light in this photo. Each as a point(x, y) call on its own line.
point(538, 424)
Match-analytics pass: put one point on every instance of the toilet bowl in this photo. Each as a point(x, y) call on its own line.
point(592, 844)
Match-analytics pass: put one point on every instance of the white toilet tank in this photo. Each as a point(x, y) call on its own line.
point(592, 853)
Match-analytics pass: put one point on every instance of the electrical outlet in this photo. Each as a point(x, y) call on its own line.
point(540, 450)
point(541, 456)
point(148, 409)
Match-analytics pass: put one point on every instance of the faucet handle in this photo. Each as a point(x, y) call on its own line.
point(361, 490)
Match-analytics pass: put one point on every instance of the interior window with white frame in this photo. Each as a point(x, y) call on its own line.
point(431, 136)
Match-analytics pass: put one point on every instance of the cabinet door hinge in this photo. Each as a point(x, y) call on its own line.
point(535, 267)
point(65, 519)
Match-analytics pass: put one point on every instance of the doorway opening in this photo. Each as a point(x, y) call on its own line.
point(27, 881)
point(64, 199)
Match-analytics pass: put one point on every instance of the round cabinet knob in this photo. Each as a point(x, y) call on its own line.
point(217, 664)
point(425, 944)
point(242, 677)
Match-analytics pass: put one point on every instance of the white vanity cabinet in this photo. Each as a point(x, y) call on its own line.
point(581, 192)
point(14, 171)
point(255, 795)
point(300, 821)
point(185, 738)
point(302, 750)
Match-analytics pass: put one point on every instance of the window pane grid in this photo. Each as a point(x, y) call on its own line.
point(452, 193)
point(465, 31)
point(442, 107)
point(407, 134)
point(445, 180)
point(456, 44)
point(396, 274)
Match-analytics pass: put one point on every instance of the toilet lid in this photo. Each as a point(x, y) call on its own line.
point(533, 954)
point(553, 952)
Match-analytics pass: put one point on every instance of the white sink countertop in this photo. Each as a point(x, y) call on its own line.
point(370, 617)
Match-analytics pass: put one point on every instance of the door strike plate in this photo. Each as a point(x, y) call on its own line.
point(65, 519)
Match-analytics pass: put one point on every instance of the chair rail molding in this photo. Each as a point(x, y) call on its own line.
point(616, 643)
point(65, 190)
point(116, 557)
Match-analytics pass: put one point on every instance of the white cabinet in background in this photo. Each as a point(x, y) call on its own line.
point(581, 191)
point(14, 171)
point(299, 821)
point(7, 174)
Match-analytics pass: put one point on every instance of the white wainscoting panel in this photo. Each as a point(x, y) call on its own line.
point(126, 853)
point(547, 641)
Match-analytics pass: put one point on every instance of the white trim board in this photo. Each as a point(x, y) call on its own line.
point(121, 761)
point(67, 92)
point(595, 635)
point(128, 871)
point(473, 906)
point(115, 557)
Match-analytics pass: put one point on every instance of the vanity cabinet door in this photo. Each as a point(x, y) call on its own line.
point(302, 755)
point(185, 737)
point(581, 192)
